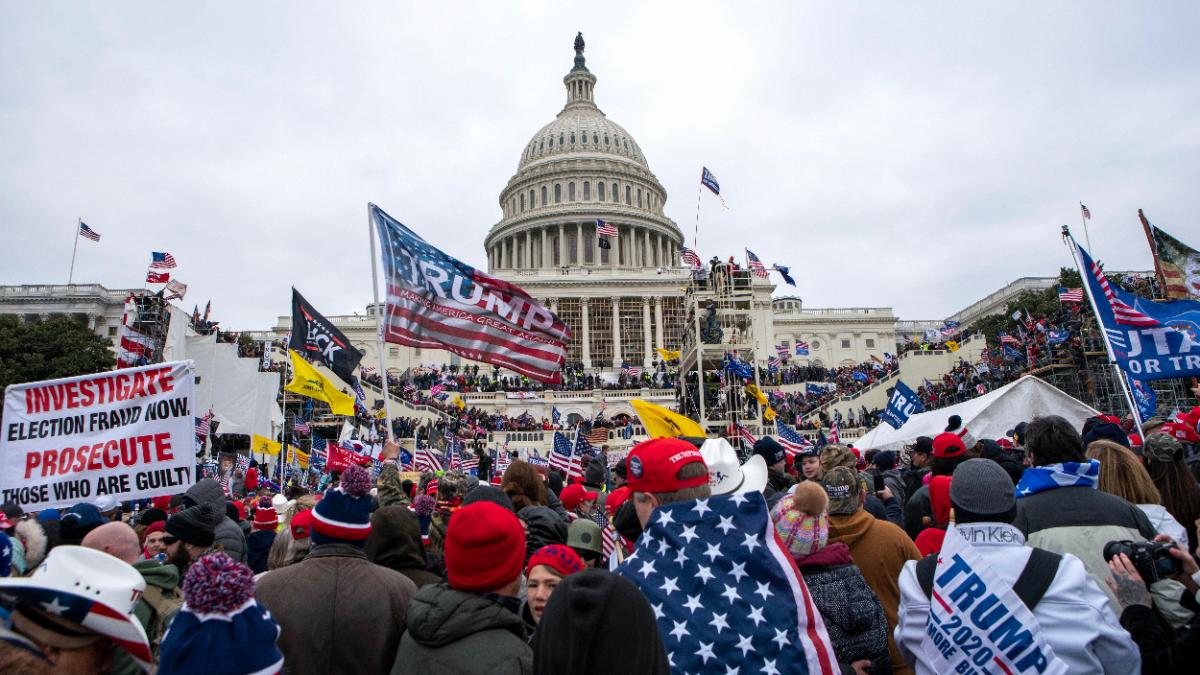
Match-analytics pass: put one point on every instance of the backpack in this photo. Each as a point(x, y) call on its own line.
point(163, 606)
point(1030, 586)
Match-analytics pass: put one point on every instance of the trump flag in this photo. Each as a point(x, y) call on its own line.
point(437, 302)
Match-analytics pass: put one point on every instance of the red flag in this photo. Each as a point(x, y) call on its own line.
point(153, 277)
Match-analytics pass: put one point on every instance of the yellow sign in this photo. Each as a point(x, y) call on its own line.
point(663, 423)
point(306, 381)
point(264, 445)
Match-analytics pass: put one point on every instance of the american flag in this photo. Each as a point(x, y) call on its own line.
point(608, 537)
point(739, 431)
point(484, 318)
point(689, 257)
point(630, 371)
point(1007, 339)
point(1122, 312)
point(204, 424)
point(783, 351)
point(88, 232)
point(469, 461)
point(726, 596)
point(453, 458)
point(756, 264)
point(597, 436)
point(427, 460)
point(160, 260)
point(791, 441)
point(1087, 214)
point(366, 370)
point(1070, 295)
point(603, 229)
point(560, 454)
point(409, 388)
point(301, 427)
point(773, 362)
point(801, 348)
point(435, 390)
point(835, 434)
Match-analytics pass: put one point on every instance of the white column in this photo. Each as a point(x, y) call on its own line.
point(658, 324)
point(500, 258)
point(646, 331)
point(616, 329)
point(579, 243)
point(614, 253)
point(648, 251)
point(528, 249)
point(546, 259)
point(587, 329)
point(562, 245)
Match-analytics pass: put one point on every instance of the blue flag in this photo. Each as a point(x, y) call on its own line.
point(859, 377)
point(1150, 340)
point(814, 389)
point(783, 272)
point(1011, 354)
point(740, 368)
point(555, 416)
point(1057, 337)
point(1145, 398)
point(903, 405)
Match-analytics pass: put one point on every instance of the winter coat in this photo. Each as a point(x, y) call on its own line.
point(1080, 520)
point(545, 527)
point(1074, 615)
point(258, 549)
point(555, 504)
point(779, 481)
point(154, 610)
point(395, 543)
point(894, 482)
point(853, 616)
point(1164, 523)
point(914, 479)
point(918, 508)
point(455, 633)
point(229, 535)
point(337, 611)
point(880, 550)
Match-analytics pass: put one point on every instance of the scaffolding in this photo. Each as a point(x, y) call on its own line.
point(150, 316)
point(718, 321)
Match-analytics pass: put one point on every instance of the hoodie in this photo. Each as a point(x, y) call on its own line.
point(451, 631)
point(395, 543)
point(229, 534)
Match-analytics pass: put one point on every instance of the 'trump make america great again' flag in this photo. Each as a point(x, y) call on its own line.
point(437, 302)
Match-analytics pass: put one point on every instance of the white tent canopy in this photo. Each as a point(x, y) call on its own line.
point(989, 416)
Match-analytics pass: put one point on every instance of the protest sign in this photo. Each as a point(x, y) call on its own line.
point(903, 405)
point(126, 434)
point(977, 623)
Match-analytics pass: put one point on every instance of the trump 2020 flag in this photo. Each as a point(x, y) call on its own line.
point(903, 404)
point(1005, 638)
point(726, 595)
point(437, 302)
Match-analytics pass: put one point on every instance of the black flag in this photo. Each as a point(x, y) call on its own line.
point(316, 338)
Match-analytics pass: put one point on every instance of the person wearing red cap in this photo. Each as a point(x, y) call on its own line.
point(948, 452)
point(258, 544)
point(578, 500)
point(547, 566)
point(472, 623)
point(665, 471)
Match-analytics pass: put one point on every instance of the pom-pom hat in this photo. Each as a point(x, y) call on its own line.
point(220, 628)
point(344, 514)
point(265, 516)
point(654, 464)
point(82, 587)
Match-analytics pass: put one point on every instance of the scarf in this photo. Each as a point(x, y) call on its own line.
point(1068, 474)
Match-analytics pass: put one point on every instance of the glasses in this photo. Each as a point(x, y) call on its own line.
point(168, 539)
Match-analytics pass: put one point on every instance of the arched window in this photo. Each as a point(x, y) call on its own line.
point(595, 138)
point(639, 198)
point(541, 145)
point(587, 191)
point(627, 145)
point(571, 191)
point(522, 201)
point(544, 201)
point(532, 200)
point(600, 190)
point(557, 193)
point(551, 142)
point(561, 139)
point(616, 193)
point(628, 196)
point(583, 138)
point(572, 138)
point(606, 139)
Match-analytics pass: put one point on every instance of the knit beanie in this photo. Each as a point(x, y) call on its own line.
point(343, 516)
point(801, 519)
point(220, 628)
point(948, 445)
point(265, 516)
point(488, 493)
point(558, 557)
point(152, 515)
point(195, 525)
point(484, 547)
point(1105, 431)
point(982, 491)
point(885, 460)
point(770, 450)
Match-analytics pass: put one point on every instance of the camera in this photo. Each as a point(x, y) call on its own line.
point(1151, 559)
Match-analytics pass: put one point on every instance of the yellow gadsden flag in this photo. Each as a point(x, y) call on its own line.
point(769, 414)
point(296, 455)
point(306, 381)
point(663, 423)
point(952, 346)
point(754, 391)
point(264, 445)
point(668, 354)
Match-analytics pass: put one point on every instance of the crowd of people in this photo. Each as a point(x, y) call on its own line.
point(1093, 528)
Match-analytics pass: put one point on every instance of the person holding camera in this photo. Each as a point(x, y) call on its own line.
point(1163, 650)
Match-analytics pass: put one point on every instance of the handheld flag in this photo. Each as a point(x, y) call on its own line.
point(708, 180)
point(668, 354)
point(689, 257)
point(176, 289)
point(318, 339)
point(437, 302)
point(1180, 265)
point(265, 446)
point(801, 348)
point(903, 404)
point(1070, 294)
point(306, 381)
point(660, 422)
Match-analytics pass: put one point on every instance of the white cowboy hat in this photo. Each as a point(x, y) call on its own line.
point(89, 588)
point(725, 475)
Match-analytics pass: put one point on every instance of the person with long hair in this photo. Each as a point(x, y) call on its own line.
point(1122, 474)
point(1163, 454)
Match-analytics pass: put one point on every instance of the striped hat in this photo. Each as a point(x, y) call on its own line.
point(343, 516)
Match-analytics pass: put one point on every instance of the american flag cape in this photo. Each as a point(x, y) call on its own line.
point(437, 302)
point(725, 593)
point(123, 629)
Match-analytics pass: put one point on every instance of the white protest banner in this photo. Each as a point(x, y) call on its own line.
point(977, 624)
point(128, 434)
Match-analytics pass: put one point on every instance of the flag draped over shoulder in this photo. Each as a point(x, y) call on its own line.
point(437, 302)
point(725, 594)
point(306, 381)
point(316, 338)
point(663, 423)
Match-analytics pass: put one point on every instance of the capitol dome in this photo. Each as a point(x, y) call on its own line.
point(579, 169)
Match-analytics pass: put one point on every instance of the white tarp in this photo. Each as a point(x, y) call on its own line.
point(242, 399)
point(178, 330)
point(989, 416)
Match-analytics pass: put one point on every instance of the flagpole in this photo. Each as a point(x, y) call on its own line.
point(1162, 281)
point(387, 394)
point(696, 235)
point(1112, 360)
point(75, 249)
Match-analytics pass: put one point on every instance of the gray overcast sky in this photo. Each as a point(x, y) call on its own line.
point(893, 154)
